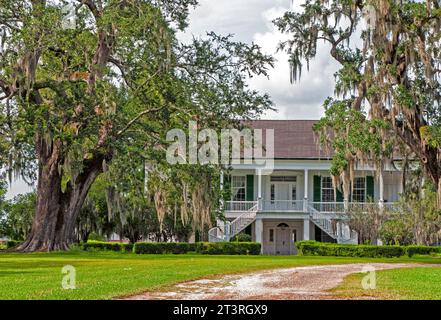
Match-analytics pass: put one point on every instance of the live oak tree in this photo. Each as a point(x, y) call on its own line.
point(79, 85)
point(390, 67)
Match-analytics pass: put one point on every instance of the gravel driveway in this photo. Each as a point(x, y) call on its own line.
point(299, 283)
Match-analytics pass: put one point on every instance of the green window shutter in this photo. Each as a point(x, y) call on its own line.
point(369, 188)
point(227, 188)
point(317, 186)
point(339, 196)
point(350, 192)
point(250, 187)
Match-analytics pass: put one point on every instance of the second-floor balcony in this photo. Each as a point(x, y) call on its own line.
point(304, 206)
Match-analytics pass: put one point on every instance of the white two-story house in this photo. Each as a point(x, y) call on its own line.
point(296, 201)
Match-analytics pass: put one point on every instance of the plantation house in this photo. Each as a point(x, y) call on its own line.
point(296, 201)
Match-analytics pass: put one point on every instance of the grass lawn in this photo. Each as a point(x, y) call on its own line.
point(105, 275)
point(409, 283)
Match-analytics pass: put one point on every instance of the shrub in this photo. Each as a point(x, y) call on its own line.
point(396, 232)
point(96, 237)
point(12, 243)
point(241, 237)
point(164, 247)
point(412, 250)
point(232, 248)
point(107, 246)
point(313, 248)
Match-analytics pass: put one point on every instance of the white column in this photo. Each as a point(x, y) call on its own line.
point(381, 189)
point(221, 178)
point(259, 230)
point(305, 191)
point(306, 184)
point(259, 183)
point(306, 229)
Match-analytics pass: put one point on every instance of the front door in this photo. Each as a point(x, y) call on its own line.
point(283, 243)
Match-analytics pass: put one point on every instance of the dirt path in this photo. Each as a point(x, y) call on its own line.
point(299, 283)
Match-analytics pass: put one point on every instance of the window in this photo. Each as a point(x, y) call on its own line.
point(293, 192)
point(238, 188)
point(273, 192)
point(282, 225)
point(271, 235)
point(294, 235)
point(359, 190)
point(327, 190)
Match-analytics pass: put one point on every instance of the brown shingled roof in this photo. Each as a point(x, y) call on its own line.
point(293, 139)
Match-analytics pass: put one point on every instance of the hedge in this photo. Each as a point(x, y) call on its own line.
point(227, 248)
point(164, 247)
point(109, 246)
point(230, 248)
point(12, 243)
point(314, 248)
point(412, 250)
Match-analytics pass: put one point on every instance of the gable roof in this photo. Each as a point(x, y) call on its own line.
point(293, 139)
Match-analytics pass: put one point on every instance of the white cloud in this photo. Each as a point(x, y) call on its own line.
point(251, 20)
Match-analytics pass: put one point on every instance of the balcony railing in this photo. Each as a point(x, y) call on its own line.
point(282, 205)
point(339, 207)
point(302, 206)
point(239, 206)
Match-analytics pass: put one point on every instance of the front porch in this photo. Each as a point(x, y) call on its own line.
point(305, 197)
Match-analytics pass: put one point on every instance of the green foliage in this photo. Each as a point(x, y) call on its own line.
point(348, 133)
point(396, 232)
point(348, 250)
point(12, 243)
point(422, 250)
point(387, 90)
point(432, 135)
point(93, 221)
point(241, 237)
point(107, 89)
point(96, 237)
point(163, 248)
point(229, 248)
point(314, 248)
point(145, 83)
point(4, 226)
point(419, 212)
point(107, 246)
point(121, 275)
point(17, 216)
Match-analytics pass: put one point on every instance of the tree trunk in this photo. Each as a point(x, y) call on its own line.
point(56, 211)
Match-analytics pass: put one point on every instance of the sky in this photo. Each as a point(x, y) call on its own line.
point(250, 21)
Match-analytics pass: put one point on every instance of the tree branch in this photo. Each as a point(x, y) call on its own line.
point(131, 122)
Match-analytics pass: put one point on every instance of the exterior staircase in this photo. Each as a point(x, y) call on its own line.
point(228, 230)
point(325, 222)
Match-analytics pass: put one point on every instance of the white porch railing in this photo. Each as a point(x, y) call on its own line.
point(282, 205)
point(240, 206)
point(340, 207)
point(228, 230)
point(302, 206)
